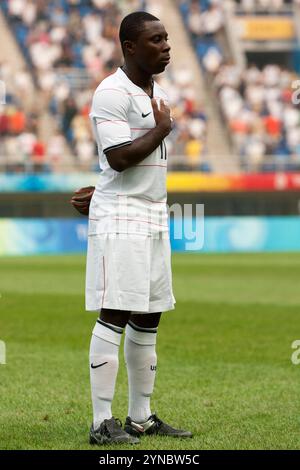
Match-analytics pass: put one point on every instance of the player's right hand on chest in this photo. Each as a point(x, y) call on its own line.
point(162, 116)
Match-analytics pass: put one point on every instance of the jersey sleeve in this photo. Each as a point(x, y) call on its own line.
point(110, 115)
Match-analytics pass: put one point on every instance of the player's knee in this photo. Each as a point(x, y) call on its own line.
point(140, 336)
point(115, 317)
point(149, 320)
point(142, 356)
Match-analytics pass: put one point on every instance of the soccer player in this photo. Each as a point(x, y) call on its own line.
point(128, 277)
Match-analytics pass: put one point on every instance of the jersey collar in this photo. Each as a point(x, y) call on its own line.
point(123, 74)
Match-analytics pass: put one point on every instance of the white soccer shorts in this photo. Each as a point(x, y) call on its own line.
point(129, 272)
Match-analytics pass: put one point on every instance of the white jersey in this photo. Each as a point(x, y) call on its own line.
point(134, 200)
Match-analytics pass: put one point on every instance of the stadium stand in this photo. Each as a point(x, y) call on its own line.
point(20, 145)
point(69, 47)
point(257, 106)
point(19, 139)
point(255, 99)
point(263, 6)
point(204, 20)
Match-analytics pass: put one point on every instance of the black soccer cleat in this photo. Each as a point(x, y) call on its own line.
point(111, 432)
point(153, 426)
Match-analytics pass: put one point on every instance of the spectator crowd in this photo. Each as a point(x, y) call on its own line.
point(256, 104)
point(70, 46)
point(258, 108)
point(264, 6)
point(204, 20)
point(20, 145)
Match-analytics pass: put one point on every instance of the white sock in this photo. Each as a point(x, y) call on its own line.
point(140, 357)
point(104, 364)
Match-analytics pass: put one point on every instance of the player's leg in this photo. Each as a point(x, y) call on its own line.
point(104, 364)
point(149, 320)
point(104, 361)
point(140, 339)
point(115, 317)
point(103, 275)
point(140, 347)
point(141, 360)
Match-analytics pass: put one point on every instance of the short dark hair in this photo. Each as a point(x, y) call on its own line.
point(133, 24)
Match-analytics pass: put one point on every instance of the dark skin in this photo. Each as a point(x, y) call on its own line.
point(121, 317)
point(81, 199)
point(147, 56)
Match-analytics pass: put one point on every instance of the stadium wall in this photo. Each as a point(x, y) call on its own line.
point(176, 182)
point(48, 195)
point(236, 203)
point(221, 234)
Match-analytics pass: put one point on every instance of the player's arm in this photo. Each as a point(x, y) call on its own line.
point(129, 155)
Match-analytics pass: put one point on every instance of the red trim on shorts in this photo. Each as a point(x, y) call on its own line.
point(104, 281)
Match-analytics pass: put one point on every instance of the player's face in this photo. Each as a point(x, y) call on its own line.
point(152, 50)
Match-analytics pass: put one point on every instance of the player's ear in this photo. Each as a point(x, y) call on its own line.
point(128, 47)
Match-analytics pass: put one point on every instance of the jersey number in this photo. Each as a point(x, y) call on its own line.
point(163, 151)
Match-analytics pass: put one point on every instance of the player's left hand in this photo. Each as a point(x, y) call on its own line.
point(81, 199)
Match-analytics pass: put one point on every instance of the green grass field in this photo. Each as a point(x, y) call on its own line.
point(224, 354)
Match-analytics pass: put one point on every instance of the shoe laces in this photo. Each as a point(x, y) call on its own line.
point(118, 422)
point(157, 422)
point(110, 425)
